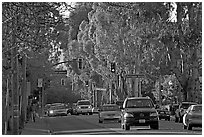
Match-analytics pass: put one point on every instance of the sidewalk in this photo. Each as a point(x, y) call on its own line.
point(38, 127)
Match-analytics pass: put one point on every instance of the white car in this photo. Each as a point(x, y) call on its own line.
point(84, 107)
point(109, 112)
point(193, 117)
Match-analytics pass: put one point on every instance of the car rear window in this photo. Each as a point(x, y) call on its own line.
point(110, 108)
point(197, 108)
point(83, 103)
point(58, 107)
point(139, 103)
point(186, 106)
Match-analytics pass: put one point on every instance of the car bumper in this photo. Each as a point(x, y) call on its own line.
point(80, 111)
point(195, 122)
point(141, 122)
point(58, 114)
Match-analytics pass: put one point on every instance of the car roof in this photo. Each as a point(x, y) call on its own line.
point(189, 103)
point(197, 105)
point(129, 98)
point(83, 100)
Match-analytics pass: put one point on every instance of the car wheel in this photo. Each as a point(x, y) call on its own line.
point(176, 119)
point(90, 113)
point(122, 126)
point(154, 126)
point(119, 121)
point(184, 127)
point(189, 127)
point(168, 119)
point(100, 121)
point(180, 119)
point(127, 127)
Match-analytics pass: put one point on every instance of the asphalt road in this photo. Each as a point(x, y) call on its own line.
point(88, 124)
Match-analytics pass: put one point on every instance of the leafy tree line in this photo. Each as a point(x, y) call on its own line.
point(142, 37)
point(34, 31)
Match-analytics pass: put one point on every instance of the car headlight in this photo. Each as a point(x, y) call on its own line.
point(128, 115)
point(51, 111)
point(89, 106)
point(153, 114)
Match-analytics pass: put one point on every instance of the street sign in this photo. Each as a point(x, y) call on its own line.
point(134, 76)
point(61, 72)
point(40, 82)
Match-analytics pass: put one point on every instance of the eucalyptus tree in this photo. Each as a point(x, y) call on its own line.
point(142, 37)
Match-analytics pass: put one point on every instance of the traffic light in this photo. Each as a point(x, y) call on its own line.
point(36, 94)
point(161, 87)
point(62, 82)
point(87, 83)
point(80, 63)
point(113, 67)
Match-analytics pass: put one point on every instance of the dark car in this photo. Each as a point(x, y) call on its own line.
point(59, 110)
point(193, 117)
point(109, 112)
point(181, 110)
point(139, 111)
point(164, 114)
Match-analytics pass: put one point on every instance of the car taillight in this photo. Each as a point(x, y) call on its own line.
point(128, 115)
point(51, 111)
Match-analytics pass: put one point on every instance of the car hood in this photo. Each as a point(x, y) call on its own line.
point(140, 110)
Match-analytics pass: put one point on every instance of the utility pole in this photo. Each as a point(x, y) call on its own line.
point(160, 79)
point(15, 92)
point(24, 89)
point(14, 82)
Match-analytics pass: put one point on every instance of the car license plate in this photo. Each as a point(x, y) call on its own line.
point(141, 120)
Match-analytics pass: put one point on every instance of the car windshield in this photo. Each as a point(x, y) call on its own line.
point(58, 107)
point(139, 103)
point(110, 108)
point(197, 108)
point(83, 103)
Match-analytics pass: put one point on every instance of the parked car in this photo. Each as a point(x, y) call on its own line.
point(69, 108)
point(84, 107)
point(193, 117)
point(58, 110)
point(46, 108)
point(164, 114)
point(139, 111)
point(73, 110)
point(181, 110)
point(109, 112)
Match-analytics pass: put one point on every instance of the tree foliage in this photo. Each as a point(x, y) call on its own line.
point(142, 36)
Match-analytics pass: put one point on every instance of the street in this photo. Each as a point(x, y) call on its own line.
point(88, 124)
